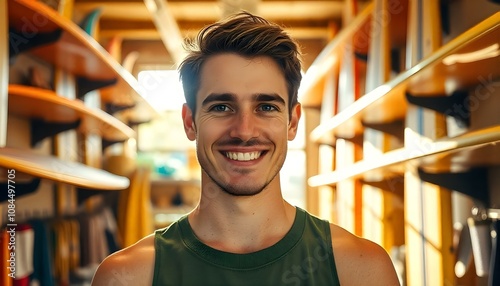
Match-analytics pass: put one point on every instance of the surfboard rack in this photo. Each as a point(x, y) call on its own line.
point(394, 128)
point(106, 143)
point(452, 105)
point(21, 189)
point(85, 85)
point(112, 108)
point(473, 182)
point(356, 139)
point(83, 194)
point(41, 129)
point(23, 41)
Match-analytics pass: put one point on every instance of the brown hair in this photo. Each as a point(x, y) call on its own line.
point(246, 35)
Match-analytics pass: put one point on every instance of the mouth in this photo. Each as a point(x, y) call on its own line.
point(243, 156)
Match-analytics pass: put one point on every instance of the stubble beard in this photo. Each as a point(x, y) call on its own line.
point(236, 190)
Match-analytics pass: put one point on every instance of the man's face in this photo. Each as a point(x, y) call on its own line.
point(242, 123)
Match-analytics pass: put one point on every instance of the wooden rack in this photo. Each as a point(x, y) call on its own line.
point(41, 32)
point(395, 117)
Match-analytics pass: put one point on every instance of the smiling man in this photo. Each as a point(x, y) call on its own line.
point(241, 81)
point(242, 124)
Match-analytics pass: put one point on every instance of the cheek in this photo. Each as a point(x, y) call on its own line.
point(277, 127)
point(208, 133)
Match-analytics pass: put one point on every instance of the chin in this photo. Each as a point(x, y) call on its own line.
point(249, 188)
point(243, 192)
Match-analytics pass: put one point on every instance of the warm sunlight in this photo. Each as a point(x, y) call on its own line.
point(162, 89)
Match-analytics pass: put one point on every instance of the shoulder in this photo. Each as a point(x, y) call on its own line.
point(133, 265)
point(360, 261)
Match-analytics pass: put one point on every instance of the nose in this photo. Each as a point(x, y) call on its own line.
point(244, 126)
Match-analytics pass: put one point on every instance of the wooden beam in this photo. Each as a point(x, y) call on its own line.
point(212, 10)
point(166, 24)
point(153, 34)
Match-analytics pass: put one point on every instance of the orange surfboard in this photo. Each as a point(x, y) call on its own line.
point(52, 168)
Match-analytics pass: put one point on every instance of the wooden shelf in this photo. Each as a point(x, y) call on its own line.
point(470, 59)
point(52, 168)
point(36, 103)
point(471, 150)
point(74, 51)
point(330, 56)
point(356, 38)
point(387, 103)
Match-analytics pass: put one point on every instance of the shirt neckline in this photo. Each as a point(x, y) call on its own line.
point(244, 261)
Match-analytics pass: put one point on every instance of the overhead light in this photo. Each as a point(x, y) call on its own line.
point(151, 5)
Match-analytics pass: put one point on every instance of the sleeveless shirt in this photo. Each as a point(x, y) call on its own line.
point(304, 256)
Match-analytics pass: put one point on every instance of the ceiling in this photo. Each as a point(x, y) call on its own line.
point(311, 23)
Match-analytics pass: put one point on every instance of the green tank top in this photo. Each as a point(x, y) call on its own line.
point(303, 257)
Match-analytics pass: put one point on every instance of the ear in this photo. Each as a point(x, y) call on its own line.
point(187, 118)
point(294, 121)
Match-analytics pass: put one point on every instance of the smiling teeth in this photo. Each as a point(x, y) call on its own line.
point(243, 156)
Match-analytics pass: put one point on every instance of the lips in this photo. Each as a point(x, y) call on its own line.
point(243, 156)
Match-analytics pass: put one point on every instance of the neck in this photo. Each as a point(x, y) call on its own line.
point(242, 224)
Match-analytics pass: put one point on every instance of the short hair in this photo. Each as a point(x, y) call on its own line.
point(247, 35)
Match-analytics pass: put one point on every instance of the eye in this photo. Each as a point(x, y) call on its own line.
point(220, 108)
point(267, 107)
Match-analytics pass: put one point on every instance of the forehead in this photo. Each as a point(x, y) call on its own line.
point(231, 73)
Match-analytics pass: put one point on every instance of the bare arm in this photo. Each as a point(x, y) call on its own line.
point(131, 266)
point(360, 261)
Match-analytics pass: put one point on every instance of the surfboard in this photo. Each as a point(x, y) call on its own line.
point(75, 51)
point(45, 104)
point(54, 169)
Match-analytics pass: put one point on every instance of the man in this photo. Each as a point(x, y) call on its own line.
point(241, 87)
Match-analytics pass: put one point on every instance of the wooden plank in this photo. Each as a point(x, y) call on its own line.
point(34, 102)
point(167, 26)
point(57, 170)
point(311, 119)
point(347, 192)
point(387, 102)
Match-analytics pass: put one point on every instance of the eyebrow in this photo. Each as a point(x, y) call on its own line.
point(269, 97)
point(260, 97)
point(218, 97)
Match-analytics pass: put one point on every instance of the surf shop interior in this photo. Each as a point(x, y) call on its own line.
point(398, 141)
